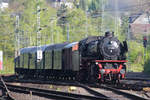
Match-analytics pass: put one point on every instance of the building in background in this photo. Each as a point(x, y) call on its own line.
point(3, 5)
point(141, 24)
point(58, 3)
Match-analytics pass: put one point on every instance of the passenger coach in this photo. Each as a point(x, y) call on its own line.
point(59, 60)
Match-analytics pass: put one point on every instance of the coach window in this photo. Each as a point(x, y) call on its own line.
point(25, 60)
point(18, 61)
point(21, 60)
point(57, 59)
point(29, 60)
point(32, 59)
point(60, 59)
point(75, 60)
point(48, 60)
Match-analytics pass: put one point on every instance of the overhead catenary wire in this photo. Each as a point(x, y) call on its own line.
point(102, 14)
point(116, 18)
point(126, 8)
point(57, 18)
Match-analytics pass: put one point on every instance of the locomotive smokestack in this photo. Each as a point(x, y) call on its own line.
point(109, 34)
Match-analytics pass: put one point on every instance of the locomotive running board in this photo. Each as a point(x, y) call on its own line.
point(121, 61)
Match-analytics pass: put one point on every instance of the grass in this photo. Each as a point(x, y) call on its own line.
point(8, 66)
point(136, 68)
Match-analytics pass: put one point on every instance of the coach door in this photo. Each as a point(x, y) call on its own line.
point(67, 59)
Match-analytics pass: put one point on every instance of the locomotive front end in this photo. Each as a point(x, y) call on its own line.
point(111, 62)
point(102, 57)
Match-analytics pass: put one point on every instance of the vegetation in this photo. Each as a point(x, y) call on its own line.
point(59, 25)
point(147, 58)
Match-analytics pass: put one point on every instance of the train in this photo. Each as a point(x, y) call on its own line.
point(93, 59)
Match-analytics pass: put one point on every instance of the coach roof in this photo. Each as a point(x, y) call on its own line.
point(32, 49)
point(56, 46)
point(71, 44)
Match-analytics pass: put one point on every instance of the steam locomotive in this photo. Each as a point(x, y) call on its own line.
point(96, 58)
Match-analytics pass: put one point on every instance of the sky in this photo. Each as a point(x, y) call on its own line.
point(127, 4)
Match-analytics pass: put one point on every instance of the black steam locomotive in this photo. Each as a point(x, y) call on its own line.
point(93, 58)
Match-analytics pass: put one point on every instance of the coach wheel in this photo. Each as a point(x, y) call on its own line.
point(119, 77)
point(116, 79)
point(81, 76)
point(77, 76)
point(124, 67)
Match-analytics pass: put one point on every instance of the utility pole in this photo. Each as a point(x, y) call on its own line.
point(68, 32)
point(102, 26)
point(39, 51)
point(17, 37)
point(116, 17)
point(86, 13)
point(38, 26)
point(22, 37)
point(128, 38)
point(51, 30)
point(52, 35)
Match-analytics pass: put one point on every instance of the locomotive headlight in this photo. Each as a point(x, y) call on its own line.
point(96, 63)
point(111, 51)
point(122, 71)
point(102, 71)
point(114, 44)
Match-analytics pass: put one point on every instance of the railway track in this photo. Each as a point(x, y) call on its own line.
point(129, 86)
point(51, 94)
point(137, 78)
point(5, 92)
point(105, 91)
point(114, 93)
point(123, 86)
point(99, 91)
point(125, 95)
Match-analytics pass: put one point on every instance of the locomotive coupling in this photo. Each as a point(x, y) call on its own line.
point(102, 71)
point(122, 71)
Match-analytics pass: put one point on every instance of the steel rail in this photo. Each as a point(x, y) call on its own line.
point(5, 89)
point(128, 95)
point(117, 91)
point(92, 91)
point(137, 78)
point(53, 94)
point(122, 85)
